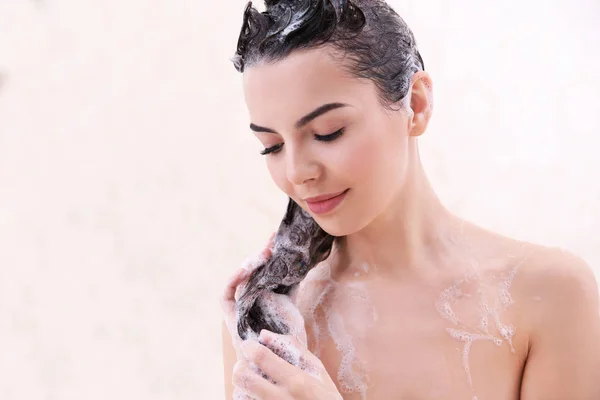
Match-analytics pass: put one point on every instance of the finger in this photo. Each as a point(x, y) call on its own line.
point(293, 351)
point(228, 305)
point(239, 394)
point(271, 364)
point(250, 381)
point(281, 307)
point(235, 284)
point(228, 297)
point(251, 263)
point(255, 261)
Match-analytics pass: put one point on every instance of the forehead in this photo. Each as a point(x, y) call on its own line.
point(287, 89)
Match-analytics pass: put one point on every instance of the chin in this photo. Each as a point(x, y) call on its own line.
point(338, 225)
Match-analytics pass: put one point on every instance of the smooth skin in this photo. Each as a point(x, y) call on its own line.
point(392, 221)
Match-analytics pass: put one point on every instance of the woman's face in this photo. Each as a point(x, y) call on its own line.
point(353, 144)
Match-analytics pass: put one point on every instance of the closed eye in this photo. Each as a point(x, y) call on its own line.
point(272, 149)
point(330, 137)
point(322, 138)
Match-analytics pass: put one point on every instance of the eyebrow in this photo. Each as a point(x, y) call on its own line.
point(304, 120)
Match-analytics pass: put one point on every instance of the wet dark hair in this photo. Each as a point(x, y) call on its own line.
point(299, 245)
point(374, 43)
point(374, 40)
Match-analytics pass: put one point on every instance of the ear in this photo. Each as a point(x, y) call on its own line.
point(421, 103)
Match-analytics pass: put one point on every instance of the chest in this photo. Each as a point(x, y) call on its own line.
point(392, 344)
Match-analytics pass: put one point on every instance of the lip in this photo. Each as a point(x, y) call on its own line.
point(325, 203)
point(323, 197)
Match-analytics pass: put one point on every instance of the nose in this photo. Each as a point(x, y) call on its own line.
point(300, 166)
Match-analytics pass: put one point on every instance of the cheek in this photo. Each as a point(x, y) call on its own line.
point(354, 164)
point(372, 159)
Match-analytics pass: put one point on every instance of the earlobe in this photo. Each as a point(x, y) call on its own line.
point(421, 103)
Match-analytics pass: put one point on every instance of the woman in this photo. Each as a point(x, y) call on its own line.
point(412, 302)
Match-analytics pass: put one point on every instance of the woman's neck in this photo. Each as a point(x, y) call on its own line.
point(416, 233)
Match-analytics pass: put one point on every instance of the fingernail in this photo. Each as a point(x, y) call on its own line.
point(264, 336)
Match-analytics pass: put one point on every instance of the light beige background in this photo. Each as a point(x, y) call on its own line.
point(130, 186)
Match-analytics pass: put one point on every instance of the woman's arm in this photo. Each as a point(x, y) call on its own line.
point(229, 360)
point(564, 357)
point(228, 300)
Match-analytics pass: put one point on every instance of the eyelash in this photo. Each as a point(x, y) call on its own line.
point(322, 138)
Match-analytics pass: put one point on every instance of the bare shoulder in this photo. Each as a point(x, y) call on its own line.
point(550, 275)
point(557, 293)
point(558, 302)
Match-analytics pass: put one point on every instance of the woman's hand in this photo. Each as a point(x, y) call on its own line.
point(230, 295)
point(306, 380)
point(236, 281)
